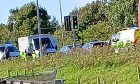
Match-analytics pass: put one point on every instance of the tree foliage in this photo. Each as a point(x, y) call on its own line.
point(67, 37)
point(121, 13)
point(100, 31)
point(5, 34)
point(23, 21)
point(102, 18)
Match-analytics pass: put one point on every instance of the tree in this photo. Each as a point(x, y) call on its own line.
point(75, 11)
point(4, 33)
point(121, 13)
point(68, 39)
point(23, 21)
point(100, 31)
point(54, 24)
point(90, 14)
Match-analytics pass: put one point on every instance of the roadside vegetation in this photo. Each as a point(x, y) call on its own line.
point(101, 63)
point(97, 21)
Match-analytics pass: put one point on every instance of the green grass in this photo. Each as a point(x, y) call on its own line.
point(102, 63)
point(125, 74)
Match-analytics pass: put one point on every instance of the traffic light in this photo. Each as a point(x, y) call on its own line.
point(67, 23)
point(75, 22)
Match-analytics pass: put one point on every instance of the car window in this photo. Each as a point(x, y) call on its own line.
point(69, 47)
point(12, 49)
point(77, 46)
point(97, 44)
point(44, 41)
point(105, 43)
point(88, 45)
point(2, 49)
point(101, 44)
point(84, 46)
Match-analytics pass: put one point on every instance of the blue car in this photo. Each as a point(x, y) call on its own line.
point(13, 51)
point(67, 48)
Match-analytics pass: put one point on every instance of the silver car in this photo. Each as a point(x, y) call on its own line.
point(67, 48)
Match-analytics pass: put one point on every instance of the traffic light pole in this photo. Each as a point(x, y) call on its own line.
point(74, 38)
point(39, 29)
point(71, 24)
point(74, 34)
point(75, 27)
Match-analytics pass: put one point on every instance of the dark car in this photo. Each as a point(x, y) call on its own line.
point(90, 45)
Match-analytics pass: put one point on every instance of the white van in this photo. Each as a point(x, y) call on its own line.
point(51, 41)
point(126, 38)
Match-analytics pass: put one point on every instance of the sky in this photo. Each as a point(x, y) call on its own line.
point(52, 7)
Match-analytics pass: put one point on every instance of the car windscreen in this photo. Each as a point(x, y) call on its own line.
point(44, 41)
point(12, 49)
point(2, 49)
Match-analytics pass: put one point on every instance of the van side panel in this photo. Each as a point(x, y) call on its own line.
point(23, 43)
point(127, 35)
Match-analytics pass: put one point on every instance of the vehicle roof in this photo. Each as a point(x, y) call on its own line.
point(6, 45)
point(71, 45)
point(9, 45)
point(67, 45)
point(31, 36)
point(1, 45)
point(97, 42)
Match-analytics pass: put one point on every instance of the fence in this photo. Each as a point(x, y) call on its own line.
point(48, 77)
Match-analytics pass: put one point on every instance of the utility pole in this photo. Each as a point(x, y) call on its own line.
point(60, 11)
point(39, 29)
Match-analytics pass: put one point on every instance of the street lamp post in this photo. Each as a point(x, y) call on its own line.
point(39, 29)
point(60, 11)
point(61, 22)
